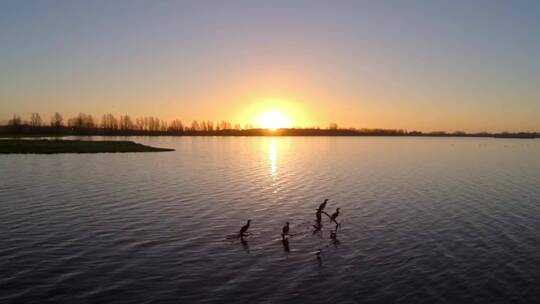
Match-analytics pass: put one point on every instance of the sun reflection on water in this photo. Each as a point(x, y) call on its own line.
point(273, 157)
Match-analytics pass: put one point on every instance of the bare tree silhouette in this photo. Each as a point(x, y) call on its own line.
point(35, 120)
point(82, 121)
point(57, 121)
point(109, 122)
point(126, 123)
point(195, 126)
point(176, 126)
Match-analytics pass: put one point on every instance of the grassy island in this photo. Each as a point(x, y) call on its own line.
point(43, 146)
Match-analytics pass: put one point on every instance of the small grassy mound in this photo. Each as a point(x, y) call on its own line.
point(43, 146)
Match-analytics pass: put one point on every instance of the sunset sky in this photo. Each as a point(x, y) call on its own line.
point(425, 65)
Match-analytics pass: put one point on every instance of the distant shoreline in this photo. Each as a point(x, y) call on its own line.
point(28, 131)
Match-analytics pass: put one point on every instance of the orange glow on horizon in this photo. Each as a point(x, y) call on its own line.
point(274, 120)
point(274, 114)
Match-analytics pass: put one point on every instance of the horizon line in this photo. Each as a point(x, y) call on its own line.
point(88, 120)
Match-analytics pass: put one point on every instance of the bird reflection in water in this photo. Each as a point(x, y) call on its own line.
point(286, 245)
point(318, 256)
point(333, 237)
point(317, 229)
point(245, 245)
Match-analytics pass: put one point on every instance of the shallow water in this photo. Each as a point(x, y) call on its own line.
point(422, 220)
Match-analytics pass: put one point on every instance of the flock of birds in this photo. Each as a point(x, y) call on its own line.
point(318, 225)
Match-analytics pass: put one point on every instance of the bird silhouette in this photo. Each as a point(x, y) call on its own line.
point(244, 229)
point(318, 215)
point(285, 230)
point(334, 216)
point(323, 205)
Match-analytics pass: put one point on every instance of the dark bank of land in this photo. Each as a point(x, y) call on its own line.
point(43, 146)
point(48, 131)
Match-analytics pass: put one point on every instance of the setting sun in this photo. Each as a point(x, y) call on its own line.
point(274, 120)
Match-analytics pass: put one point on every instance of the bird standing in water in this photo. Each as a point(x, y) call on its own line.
point(244, 229)
point(322, 206)
point(334, 216)
point(285, 230)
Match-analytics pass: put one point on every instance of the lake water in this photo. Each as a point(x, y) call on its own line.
point(423, 220)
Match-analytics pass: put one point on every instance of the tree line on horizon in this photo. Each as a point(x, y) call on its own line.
point(122, 123)
point(86, 124)
point(126, 123)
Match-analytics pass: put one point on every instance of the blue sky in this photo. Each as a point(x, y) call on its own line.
point(428, 65)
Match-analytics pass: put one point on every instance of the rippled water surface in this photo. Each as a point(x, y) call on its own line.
point(423, 220)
